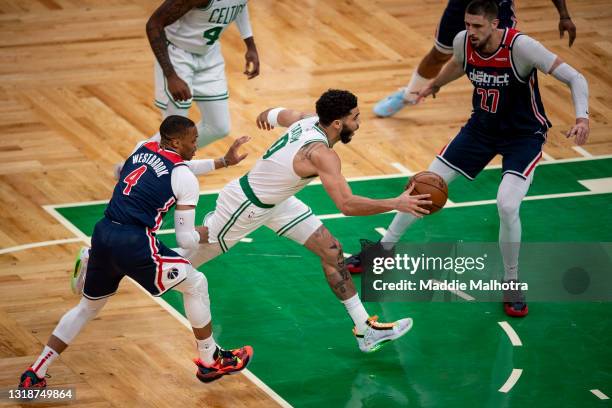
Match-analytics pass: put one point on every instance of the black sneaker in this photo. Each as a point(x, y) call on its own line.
point(369, 250)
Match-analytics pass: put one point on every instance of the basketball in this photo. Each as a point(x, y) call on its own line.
point(427, 182)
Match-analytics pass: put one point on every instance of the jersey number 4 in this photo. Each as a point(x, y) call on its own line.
point(132, 179)
point(485, 95)
point(212, 35)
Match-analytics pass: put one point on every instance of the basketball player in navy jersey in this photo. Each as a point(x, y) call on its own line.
point(508, 118)
point(450, 24)
point(154, 179)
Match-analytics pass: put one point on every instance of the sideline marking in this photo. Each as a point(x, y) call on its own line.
point(40, 244)
point(600, 394)
point(514, 338)
point(511, 381)
point(457, 292)
point(582, 151)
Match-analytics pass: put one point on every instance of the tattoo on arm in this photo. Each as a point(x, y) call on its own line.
point(166, 14)
point(306, 151)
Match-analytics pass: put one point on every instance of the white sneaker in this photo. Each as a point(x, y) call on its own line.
point(377, 334)
point(77, 281)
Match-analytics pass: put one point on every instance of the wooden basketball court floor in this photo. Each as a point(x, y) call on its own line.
point(76, 95)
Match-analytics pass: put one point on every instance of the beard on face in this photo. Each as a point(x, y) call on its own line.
point(346, 135)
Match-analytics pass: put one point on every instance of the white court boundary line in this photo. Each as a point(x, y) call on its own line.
point(514, 338)
point(599, 394)
point(512, 380)
point(457, 292)
point(39, 244)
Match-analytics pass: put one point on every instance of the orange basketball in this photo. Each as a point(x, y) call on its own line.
point(428, 182)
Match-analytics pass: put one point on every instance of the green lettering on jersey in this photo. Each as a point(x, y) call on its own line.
point(212, 34)
point(222, 15)
point(295, 133)
point(212, 16)
point(279, 144)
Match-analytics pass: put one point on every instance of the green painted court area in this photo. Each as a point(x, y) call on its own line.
point(271, 293)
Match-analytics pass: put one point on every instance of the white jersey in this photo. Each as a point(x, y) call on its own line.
point(273, 178)
point(198, 31)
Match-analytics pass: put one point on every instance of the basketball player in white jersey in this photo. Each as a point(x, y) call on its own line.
point(184, 36)
point(266, 196)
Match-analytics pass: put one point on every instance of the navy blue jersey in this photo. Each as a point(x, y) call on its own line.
point(503, 102)
point(144, 191)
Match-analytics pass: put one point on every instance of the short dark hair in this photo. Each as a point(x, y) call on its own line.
point(335, 104)
point(174, 126)
point(486, 8)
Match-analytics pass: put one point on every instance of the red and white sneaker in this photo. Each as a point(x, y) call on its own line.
point(29, 379)
point(226, 362)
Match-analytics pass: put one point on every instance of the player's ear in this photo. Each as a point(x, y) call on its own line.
point(495, 23)
point(337, 124)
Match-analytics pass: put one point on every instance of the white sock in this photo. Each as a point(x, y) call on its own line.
point(355, 309)
point(398, 226)
point(47, 356)
point(414, 86)
point(206, 349)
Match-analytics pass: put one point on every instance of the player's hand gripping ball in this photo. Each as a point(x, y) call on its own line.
point(428, 182)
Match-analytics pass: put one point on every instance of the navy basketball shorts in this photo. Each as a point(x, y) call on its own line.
point(453, 21)
point(471, 150)
point(129, 250)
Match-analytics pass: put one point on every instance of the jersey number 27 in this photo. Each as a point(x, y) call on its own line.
point(485, 94)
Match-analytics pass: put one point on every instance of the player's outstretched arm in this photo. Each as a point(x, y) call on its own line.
point(166, 14)
point(328, 166)
point(450, 72)
point(565, 21)
point(231, 158)
point(273, 117)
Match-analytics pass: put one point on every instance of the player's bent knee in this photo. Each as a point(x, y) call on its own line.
point(195, 284)
point(508, 209)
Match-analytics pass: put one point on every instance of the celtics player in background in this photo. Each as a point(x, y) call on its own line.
point(184, 36)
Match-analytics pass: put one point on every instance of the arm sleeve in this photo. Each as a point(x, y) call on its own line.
point(185, 186)
point(458, 47)
point(199, 167)
point(528, 53)
point(184, 228)
point(186, 190)
point(578, 85)
point(244, 23)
